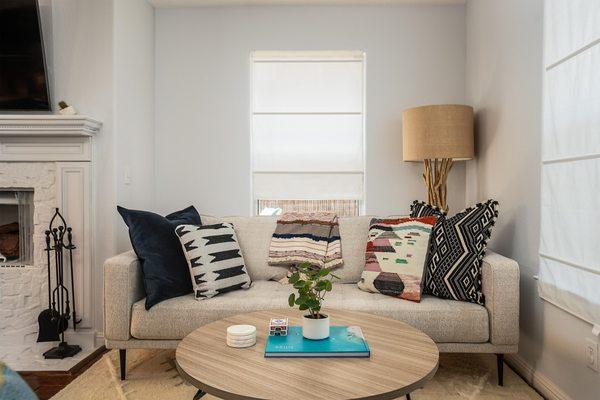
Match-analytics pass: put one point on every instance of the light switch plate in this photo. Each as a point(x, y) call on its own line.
point(127, 175)
point(591, 354)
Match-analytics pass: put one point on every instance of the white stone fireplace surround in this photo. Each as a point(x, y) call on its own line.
point(53, 155)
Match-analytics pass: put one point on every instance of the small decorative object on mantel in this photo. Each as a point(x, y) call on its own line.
point(312, 284)
point(437, 135)
point(65, 109)
point(55, 320)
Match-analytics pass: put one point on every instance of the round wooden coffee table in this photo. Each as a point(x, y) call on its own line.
point(402, 359)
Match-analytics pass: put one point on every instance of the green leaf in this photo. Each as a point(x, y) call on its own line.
point(321, 285)
point(324, 271)
point(299, 284)
point(328, 286)
point(303, 307)
point(294, 278)
point(313, 303)
point(291, 299)
point(304, 266)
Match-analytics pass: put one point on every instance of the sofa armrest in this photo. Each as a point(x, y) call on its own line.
point(123, 286)
point(500, 280)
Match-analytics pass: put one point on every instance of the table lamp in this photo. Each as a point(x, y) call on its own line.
point(438, 135)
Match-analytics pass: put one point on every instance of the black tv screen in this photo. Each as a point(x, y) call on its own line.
point(23, 84)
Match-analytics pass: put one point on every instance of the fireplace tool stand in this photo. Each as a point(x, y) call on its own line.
point(55, 320)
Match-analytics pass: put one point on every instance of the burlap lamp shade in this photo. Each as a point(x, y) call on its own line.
point(437, 135)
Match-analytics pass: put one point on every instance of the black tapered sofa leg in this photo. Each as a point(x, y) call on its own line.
point(123, 362)
point(500, 364)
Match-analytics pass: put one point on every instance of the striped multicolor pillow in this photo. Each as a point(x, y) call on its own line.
point(307, 237)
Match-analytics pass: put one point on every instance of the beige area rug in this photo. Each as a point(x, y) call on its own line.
point(151, 374)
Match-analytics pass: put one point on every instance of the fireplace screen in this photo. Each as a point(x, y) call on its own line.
point(16, 226)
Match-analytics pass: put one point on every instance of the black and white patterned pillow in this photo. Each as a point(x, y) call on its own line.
point(456, 249)
point(422, 209)
point(214, 258)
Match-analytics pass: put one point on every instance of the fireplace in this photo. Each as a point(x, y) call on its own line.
point(16, 227)
point(45, 163)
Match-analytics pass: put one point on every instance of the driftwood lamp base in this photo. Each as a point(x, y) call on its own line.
point(435, 175)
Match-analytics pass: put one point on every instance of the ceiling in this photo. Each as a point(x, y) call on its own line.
point(200, 3)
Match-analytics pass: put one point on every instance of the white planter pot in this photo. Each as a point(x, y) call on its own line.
point(315, 329)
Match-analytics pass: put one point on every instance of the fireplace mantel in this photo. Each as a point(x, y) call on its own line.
point(38, 138)
point(48, 125)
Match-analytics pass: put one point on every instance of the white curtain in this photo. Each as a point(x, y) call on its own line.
point(570, 234)
point(307, 125)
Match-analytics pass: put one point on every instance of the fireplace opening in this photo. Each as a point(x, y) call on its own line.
point(16, 227)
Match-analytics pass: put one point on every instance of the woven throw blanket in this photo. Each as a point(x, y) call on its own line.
point(307, 237)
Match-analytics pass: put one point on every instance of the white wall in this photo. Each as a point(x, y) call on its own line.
point(100, 57)
point(504, 84)
point(82, 54)
point(415, 56)
point(133, 108)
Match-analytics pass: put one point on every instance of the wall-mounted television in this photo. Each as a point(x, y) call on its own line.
point(23, 81)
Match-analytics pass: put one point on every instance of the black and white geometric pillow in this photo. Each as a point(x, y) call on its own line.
point(456, 249)
point(214, 258)
point(422, 209)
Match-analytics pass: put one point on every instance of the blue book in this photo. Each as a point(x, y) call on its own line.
point(343, 341)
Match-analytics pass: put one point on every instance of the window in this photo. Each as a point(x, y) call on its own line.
point(308, 131)
point(570, 219)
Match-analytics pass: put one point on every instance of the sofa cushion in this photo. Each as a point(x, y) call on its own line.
point(456, 249)
point(395, 256)
point(354, 232)
point(153, 238)
point(254, 235)
point(422, 209)
point(214, 259)
point(446, 321)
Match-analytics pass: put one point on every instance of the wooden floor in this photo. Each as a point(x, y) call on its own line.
point(46, 384)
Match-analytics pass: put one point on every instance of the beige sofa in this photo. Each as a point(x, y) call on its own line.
point(454, 326)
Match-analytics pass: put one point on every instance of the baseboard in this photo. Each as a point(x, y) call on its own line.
point(100, 338)
point(536, 379)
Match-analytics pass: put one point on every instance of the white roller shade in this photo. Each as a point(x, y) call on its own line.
point(308, 125)
point(307, 186)
point(569, 258)
point(310, 142)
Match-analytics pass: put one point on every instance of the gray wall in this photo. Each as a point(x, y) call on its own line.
point(504, 84)
point(415, 56)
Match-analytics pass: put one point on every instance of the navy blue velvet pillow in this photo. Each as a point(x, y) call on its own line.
point(164, 266)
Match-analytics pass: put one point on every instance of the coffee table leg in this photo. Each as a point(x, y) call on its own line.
point(200, 393)
point(407, 396)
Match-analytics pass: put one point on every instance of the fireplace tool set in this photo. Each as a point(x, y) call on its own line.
point(61, 302)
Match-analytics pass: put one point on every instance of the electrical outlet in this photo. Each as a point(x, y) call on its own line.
point(591, 354)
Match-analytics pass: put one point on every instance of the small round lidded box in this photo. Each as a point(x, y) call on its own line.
point(241, 336)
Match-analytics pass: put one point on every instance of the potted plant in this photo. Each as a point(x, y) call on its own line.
point(312, 284)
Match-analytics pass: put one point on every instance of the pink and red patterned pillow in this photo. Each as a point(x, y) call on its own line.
point(395, 256)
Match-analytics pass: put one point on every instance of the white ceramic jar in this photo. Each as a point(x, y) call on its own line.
point(315, 328)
